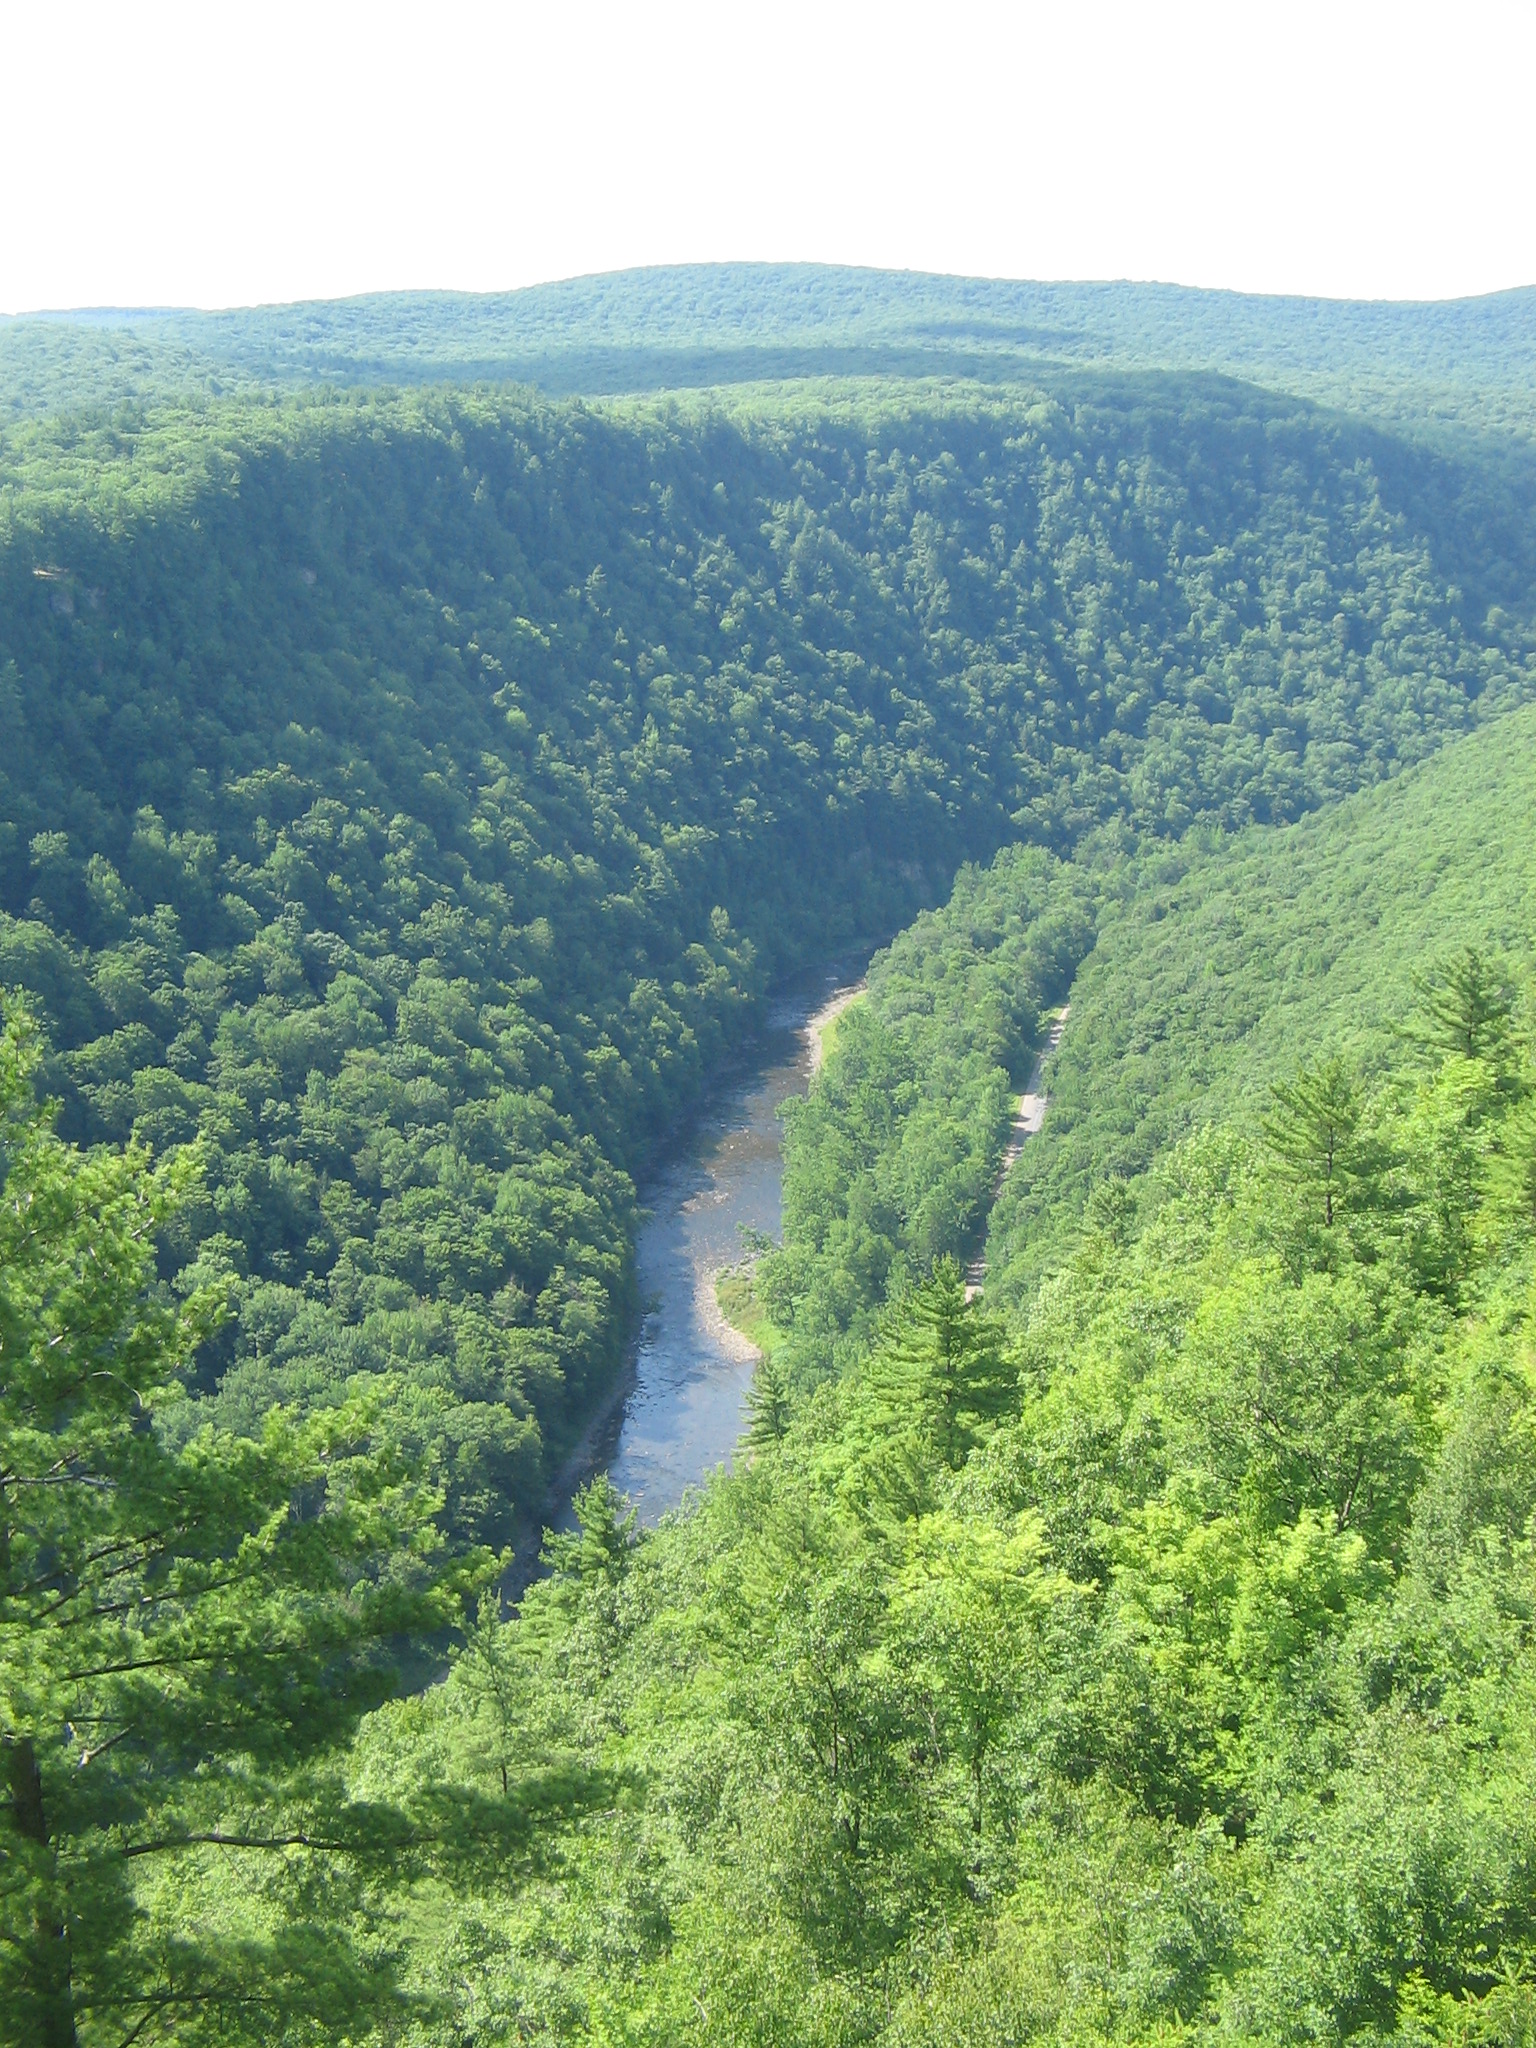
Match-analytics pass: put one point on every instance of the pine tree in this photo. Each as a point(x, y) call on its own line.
point(1313, 1132)
point(607, 1524)
point(185, 1633)
point(1110, 1212)
point(767, 1406)
point(1467, 1007)
point(941, 1365)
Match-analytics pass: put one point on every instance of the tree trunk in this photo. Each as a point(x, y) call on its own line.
point(54, 2006)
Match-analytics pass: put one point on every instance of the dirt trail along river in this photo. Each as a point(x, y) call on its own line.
point(1028, 1122)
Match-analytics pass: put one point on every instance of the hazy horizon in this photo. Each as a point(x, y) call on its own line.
point(278, 156)
point(124, 310)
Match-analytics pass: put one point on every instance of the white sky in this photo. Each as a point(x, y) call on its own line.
point(228, 153)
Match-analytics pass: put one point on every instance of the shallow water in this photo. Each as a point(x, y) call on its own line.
point(685, 1409)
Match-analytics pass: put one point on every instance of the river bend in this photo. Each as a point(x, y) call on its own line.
point(684, 1410)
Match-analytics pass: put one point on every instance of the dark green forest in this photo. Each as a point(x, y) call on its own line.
point(406, 801)
point(409, 799)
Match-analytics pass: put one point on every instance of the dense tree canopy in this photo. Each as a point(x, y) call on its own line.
point(188, 1636)
point(1445, 370)
point(1171, 1686)
point(407, 800)
point(406, 803)
point(1218, 971)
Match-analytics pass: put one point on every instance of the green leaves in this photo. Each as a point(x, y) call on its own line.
point(184, 1632)
point(1468, 1007)
point(768, 1407)
point(1305, 1397)
point(939, 1368)
point(1313, 1130)
point(969, 1609)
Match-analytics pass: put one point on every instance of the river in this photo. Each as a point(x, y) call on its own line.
point(683, 1409)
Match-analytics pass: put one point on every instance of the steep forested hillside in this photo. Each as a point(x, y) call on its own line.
point(1215, 975)
point(1200, 976)
point(892, 1158)
point(405, 800)
point(1154, 1666)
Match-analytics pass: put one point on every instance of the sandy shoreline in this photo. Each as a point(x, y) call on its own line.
point(833, 1008)
point(735, 1343)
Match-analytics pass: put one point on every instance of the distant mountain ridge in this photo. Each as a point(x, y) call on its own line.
point(1465, 363)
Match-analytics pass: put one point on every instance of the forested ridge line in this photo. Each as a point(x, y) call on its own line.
point(405, 798)
point(1447, 371)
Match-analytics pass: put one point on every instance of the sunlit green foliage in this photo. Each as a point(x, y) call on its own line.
point(1222, 969)
point(406, 799)
point(404, 804)
point(188, 1637)
point(1172, 1685)
point(1152, 1666)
